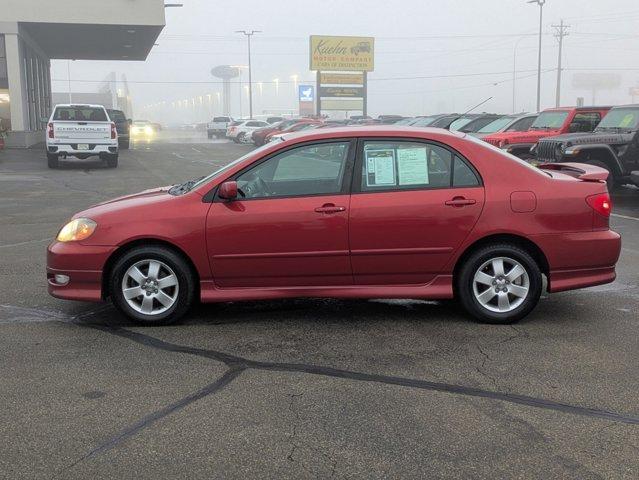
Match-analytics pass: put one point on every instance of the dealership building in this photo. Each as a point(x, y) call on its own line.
point(33, 32)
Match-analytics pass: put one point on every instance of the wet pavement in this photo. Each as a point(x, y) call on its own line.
point(299, 388)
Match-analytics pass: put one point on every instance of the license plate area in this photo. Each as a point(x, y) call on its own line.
point(83, 146)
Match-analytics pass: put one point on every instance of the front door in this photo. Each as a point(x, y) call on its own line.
point(413, 204)
point(289, 226)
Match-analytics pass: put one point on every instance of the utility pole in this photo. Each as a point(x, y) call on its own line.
point(561, 31)
point(541, 17)
point(249, 34)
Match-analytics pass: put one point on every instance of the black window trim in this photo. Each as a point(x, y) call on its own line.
point(356, 187)
point(212, 197)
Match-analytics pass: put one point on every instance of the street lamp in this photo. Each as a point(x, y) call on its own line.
point(277, 86)
point(248, 34)
point(541, 16)
point(295, 78)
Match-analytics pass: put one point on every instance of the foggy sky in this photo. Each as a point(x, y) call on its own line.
point(471, 42)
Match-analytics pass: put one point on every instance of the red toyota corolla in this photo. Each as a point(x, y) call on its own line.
point(364, 212)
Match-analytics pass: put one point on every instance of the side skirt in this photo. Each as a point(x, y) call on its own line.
point(440, 288)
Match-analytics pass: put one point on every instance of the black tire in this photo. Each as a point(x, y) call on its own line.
point(112, 161)
point(464, 283)
point(52, 160)
point(610, 181)
point(186, 284)
point(124, 145)
point(240, 137)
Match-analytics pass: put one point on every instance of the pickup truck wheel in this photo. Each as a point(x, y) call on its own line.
point(499, 284)
point(52, 161)
point(610, 181)
point(112, 161)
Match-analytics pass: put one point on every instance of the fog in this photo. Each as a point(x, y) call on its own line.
point(430, 57)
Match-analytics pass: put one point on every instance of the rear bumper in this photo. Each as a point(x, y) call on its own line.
point(580, 259)
point(82, 265)
point(72, 149)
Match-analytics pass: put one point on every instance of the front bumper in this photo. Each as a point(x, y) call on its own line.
point(82, 264)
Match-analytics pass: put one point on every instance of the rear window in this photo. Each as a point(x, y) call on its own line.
point(81, 114)
point(117, 116)
point(221, 119)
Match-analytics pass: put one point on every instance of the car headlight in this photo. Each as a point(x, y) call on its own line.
point(76, 230)
point(148, 130)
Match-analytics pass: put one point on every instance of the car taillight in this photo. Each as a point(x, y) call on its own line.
point(50, 130)
point(602, 205)
point(114, 132)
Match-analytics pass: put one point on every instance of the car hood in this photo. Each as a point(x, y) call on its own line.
point(529, 136)
point(608, 138)
point(145, 197)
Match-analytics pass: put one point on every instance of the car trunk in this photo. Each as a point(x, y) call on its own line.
point(90, 132)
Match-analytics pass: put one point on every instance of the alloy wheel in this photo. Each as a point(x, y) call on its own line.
point(501, 284)
point(150, 287)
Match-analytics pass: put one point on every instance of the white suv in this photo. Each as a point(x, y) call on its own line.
point(81, 131)
point(241, 130)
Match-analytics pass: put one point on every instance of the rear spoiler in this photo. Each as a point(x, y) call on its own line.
point(581, 171)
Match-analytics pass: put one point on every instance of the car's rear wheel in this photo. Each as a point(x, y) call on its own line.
point(112, 161)
point(499, 284)
point(52, 160)
point(241, 138)
point(152, 285)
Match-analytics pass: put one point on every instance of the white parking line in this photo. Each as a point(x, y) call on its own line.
point(624, 216)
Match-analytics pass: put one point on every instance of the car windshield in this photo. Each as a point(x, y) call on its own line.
point(220, 119)
point(80, 114)
point(406, 121)
point(460, 122)
point(549, 120)
point(497, 125)
point(620, 119)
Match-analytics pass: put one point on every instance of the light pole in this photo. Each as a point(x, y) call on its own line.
point(277, 86)
point(249, 34)
point(541, 16)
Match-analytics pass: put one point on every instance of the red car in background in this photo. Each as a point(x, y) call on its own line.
point(300, 124)
point(363, 212)
point(549, 123)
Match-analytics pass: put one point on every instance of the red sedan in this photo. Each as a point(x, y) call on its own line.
point(364, 212)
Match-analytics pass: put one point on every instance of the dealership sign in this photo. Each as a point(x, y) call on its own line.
point(342, 92)
point(347, 54)
point(341, 78)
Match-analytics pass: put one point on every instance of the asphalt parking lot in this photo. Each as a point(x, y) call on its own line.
point(299, 388)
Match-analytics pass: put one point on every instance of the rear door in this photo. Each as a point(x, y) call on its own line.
point(413, 204)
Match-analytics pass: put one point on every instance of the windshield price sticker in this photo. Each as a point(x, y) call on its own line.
point(380, 167)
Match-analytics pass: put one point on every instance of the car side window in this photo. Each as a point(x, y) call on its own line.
point(463, 175)
point(404, 165)
point(309, 170)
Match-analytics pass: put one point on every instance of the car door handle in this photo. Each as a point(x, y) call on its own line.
point(460, 202)
point(329, 208)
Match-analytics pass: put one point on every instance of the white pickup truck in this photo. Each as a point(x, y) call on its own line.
point(81, 131)
point(217, 127)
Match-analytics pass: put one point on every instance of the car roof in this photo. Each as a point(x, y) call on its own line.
point(75, 105)
point(568, 109)
point(372, 131)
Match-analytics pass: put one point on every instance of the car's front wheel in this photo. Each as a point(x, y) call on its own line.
point(152, 285)
point(499, 284)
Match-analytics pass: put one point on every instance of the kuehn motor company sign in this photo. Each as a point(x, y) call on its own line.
point(348, 54)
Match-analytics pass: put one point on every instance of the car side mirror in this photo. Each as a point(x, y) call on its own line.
point(574, 127)
point(228, 190)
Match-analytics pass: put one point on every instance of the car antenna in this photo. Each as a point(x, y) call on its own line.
point(478, 105)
